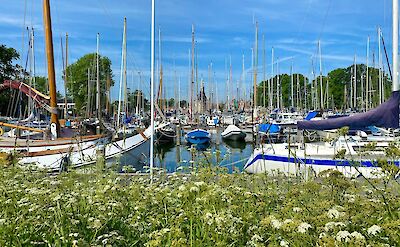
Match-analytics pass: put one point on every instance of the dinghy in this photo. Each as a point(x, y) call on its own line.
point(234, 133)
point(198, 136)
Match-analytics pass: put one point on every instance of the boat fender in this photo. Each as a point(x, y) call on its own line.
point(53, 130)
point(1, 131)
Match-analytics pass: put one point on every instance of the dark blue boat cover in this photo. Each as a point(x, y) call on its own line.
point(385, 115)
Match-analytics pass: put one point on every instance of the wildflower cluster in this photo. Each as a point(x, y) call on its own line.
point(206, 208)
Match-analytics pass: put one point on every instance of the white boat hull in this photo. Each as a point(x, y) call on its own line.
point(87, 153)
point(280, 160)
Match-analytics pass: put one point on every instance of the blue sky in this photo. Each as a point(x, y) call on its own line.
point(224, 31)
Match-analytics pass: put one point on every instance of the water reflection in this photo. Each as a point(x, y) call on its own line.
point(241, 145)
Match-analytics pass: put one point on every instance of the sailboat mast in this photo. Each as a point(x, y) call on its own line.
point(30, 101)
point(89, 94)
point(298, 96)
point(192, 76)
point(33, 59)
point(278, 85)
point(264, 82)
point(320, 75)
point(305, 93)
point(395, 45)
point(230, 99)
point(152, 91)
point(255, 69)
point(50, 65)
point(380, 81)
point(243, 79)
point(98, 80)
point(160, 89)
point(66, 76)
point(121, 81)
point(271, 85)
point(355, 83)
point(291, 85)
point(367, 79)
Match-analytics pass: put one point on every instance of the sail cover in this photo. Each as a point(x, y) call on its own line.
point(385, 115)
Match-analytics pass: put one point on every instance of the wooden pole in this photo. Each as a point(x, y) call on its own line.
point(50, 65)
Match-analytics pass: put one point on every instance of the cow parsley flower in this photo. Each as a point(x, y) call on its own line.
point(334, 213)
point(199, 184)
point(297, 209)
point(357, 235)
point(194, 189)
point(373, 230)
point(331, 225)
point(276, 223)
point(343, 236)
point(283, 243)
point(287, 221)
point(303, 227)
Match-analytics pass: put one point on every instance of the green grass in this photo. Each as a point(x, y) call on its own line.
point(206, 208)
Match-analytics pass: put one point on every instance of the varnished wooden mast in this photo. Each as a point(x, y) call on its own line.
point(66, 77)
point(50, 63)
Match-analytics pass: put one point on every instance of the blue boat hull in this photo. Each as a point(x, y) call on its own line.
point(197, 137)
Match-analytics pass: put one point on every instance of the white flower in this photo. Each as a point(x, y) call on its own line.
point(373, 230)
point(297, 209)
point(283, 243)
point(334, 213)
point(75, 234)
point(343, 236)
point(194, 189)
point(357, 235)
point(287, 221)
point(303, 227)
point(96, 223)
point(199, 184)
point(350, 197)
point(256, 238)
point(182, 188)
point(322, 235)
point(276, 223)
point(331, 225)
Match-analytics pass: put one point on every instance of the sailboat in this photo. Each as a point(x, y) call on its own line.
point(57, 151)
point(352, 156)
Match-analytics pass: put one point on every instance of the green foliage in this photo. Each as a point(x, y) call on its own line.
point(133, 99)
point(206, 208)
point(338, 80)
point(78, 78)
point(171, 102)
point(8, 70)
point(41, 84)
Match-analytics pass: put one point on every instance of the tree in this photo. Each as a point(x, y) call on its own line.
point(8, 70)
point(133, 99)
point(285, 90)
point(41, 84)
point(171, 102)
point(78, 79)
